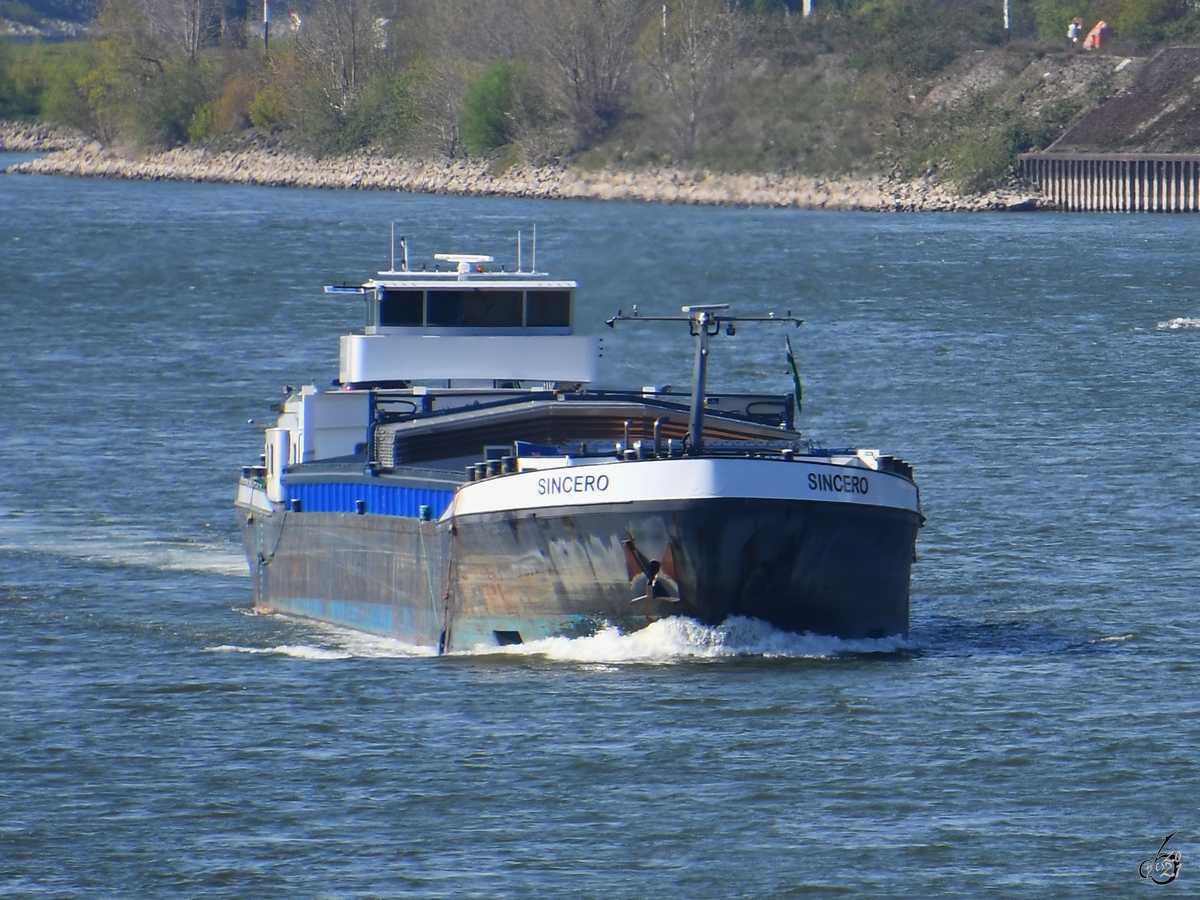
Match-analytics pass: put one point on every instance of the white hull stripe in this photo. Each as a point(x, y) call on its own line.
point(254, 497)
point(708, 478)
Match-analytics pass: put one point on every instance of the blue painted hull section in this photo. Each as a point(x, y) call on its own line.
point(396, 622)
point(379, 499)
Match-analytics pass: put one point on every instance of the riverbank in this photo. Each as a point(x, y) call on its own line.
point(266, 163)
point(27, 137)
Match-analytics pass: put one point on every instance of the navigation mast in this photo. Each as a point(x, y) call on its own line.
point(704, 321)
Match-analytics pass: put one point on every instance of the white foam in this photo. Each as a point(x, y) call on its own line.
point(1115, 639)
point(118, 545)
point(1178, 323)
point(361, 645)
point(678, 638)
point(181, 557)
point(300, 651)
point(346, 643)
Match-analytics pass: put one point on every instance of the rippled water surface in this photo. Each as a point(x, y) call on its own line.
point(1037, 733)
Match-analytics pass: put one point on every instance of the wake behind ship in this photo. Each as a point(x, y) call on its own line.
point(462, 485)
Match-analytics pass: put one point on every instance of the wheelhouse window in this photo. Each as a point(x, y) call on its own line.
point(400, 308)
point(469, 308)
point(548, 309)
point(474, 309)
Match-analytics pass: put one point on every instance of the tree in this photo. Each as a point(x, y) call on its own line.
point(19, 96)
point(691, 54)
point(340, 40)
point(199, 24)
point(130, 59)
point(591, 43)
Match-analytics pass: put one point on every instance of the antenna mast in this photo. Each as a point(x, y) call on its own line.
point(704, 322)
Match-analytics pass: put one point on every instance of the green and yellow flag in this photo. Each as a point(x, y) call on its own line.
point(791, 361)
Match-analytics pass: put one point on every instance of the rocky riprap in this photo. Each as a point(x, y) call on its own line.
point(26, 137)
point(277, 167)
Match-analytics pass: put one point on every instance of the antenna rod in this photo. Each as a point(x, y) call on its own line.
point(533, 262)
point(700, 325)
point(518, 251)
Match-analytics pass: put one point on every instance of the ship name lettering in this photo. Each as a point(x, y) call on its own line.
point(572, 484)
point(840, 484)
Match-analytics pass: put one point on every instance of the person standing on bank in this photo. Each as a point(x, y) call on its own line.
point(1073, 31)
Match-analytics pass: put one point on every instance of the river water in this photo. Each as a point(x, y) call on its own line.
point(1037, 732)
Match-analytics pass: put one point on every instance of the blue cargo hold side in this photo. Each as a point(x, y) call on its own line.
point(379, 499)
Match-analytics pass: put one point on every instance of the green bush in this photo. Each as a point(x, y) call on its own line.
point(919, 38)
point(36, 79)
point(177, 95)
point(384, 113)
point(1139, 20)
point(65, 100)
point(268, 108)
point(984, 158)
point(1146, 19)
point(23, 73)
point(497, 103)
point(204, 122)
point(9, 104)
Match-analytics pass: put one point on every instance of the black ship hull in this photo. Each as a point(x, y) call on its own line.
point(490, 578)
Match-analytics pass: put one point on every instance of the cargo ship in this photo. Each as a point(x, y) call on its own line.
point(463, 484)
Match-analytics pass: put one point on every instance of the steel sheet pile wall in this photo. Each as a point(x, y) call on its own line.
point(1127, 183)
